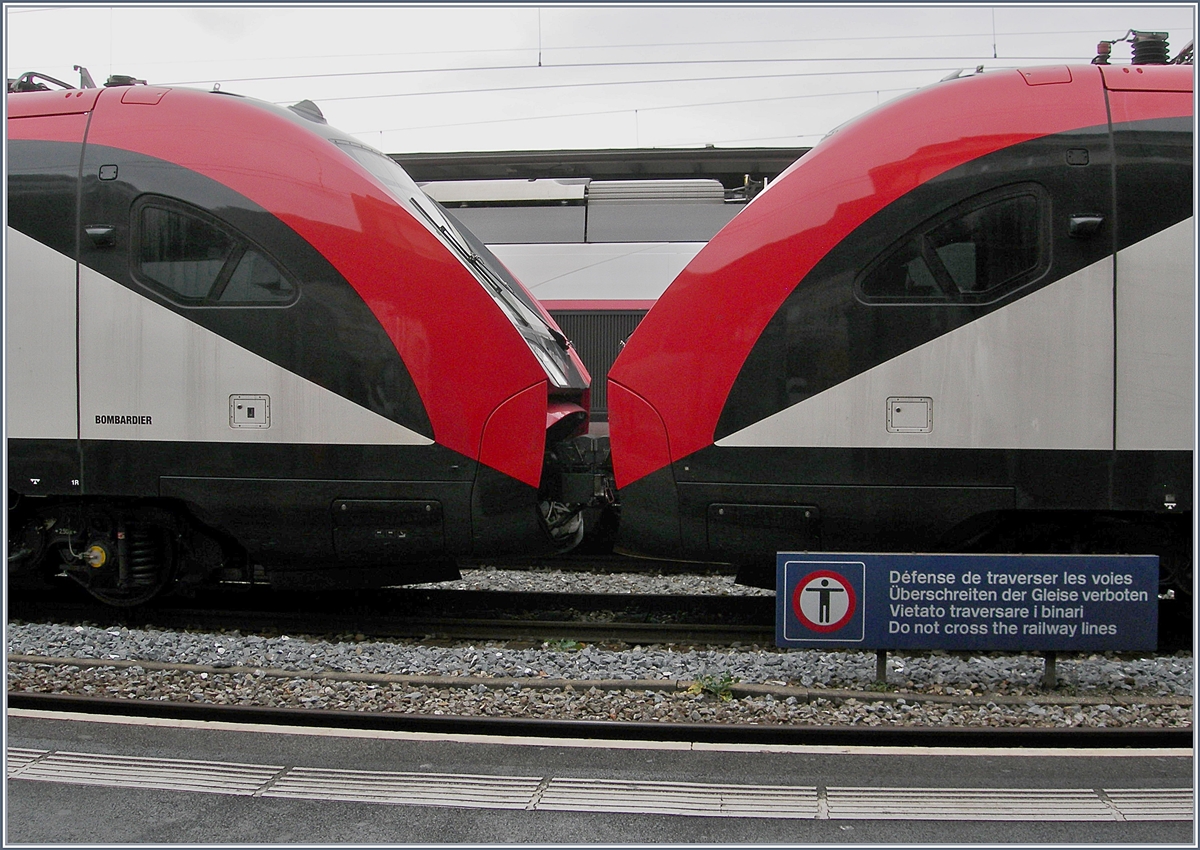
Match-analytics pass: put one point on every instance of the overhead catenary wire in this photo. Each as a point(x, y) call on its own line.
point(1090, 34)
point(972, 59)
point(629, 109)
point(638, 82)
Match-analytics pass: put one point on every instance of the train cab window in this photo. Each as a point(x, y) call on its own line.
point(255, 279)
point(194, 259)
point(181, 253)
point(976, 253)
point(903, 276)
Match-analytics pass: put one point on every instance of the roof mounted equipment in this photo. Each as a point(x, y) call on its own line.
point(122, 80)
point(1149, 48)
point(35, 81)
point(309, 110)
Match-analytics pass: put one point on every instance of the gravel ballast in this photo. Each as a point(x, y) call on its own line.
point(633, 683)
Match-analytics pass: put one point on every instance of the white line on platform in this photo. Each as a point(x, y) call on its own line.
point(597, 743)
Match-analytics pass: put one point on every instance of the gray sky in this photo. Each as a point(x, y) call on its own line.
point(495, 77)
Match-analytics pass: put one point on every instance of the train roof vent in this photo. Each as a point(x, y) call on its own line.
point(701, 190)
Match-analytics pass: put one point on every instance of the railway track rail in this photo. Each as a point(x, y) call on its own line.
point(443, 615)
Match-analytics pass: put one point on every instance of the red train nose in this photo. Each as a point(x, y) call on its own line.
point(638, 436)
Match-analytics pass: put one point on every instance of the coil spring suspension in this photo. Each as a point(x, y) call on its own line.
point(146, 556)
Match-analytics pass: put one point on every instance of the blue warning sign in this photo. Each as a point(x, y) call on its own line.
point(964, 602)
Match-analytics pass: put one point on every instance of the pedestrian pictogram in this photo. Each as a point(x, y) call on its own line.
point(824, 601)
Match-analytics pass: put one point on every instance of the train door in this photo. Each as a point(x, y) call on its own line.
point(1156, 296)
point(1155, 311)
point(179, 311)
point(41, 293)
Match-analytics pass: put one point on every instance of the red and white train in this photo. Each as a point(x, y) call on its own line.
point(964, 321)
point(237, 337)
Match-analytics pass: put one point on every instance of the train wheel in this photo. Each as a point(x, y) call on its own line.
point(564, 524)
point(26, 540)
point(129, 569)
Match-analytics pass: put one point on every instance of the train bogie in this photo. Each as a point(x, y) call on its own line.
point(227, 319)
point(964, 320)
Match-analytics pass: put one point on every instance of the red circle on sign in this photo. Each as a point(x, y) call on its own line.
point(851, 600)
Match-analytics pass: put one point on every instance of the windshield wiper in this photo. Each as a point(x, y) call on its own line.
point(447, 231)
point(477, 263)
point(513, 303)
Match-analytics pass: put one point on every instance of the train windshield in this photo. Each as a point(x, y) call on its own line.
point(403, 189)
point(547, 343)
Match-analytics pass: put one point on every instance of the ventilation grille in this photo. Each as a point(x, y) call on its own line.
point(657, 190)
point(597, 336)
